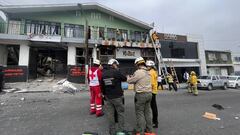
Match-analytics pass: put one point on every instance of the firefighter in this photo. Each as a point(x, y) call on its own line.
point(113, 93)
point(193, 83)
point(189, 84)
point(94, 78)
point(154, 75)
point(171, 82)
point(143, 96)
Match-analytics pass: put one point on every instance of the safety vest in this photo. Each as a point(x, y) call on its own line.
point(93, 78)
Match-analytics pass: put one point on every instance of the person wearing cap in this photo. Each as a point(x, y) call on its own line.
point(113, 93)
point(154, 76)
point(94, 79)
point(143, 96)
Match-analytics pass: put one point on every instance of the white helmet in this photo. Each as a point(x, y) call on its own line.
point(139, 60)
point(150, 63)
point(113, 61)
point(96, 61)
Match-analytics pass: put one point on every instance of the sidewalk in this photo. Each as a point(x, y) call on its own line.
point(44, 85)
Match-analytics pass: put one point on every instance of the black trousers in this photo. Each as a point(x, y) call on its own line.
point(172, 85)
point(154, 109)
point(160, 84)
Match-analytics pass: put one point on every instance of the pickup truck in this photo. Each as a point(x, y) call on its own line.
point(212, 81)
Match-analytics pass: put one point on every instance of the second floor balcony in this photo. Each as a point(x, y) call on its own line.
point(70, 32)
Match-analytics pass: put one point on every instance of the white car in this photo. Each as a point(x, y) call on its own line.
point(212, 81)
point(234, 81)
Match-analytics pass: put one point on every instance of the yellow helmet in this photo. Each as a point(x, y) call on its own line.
point(193, 73)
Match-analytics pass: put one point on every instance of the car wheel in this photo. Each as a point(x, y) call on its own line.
point(236, 87)
point(225, 86)
point(210, 87)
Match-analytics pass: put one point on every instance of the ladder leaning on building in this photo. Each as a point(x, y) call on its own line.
point(162, 68)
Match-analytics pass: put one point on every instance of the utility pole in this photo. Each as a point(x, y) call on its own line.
point(86, 51)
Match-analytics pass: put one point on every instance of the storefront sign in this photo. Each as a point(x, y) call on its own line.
point(172, 37)
point(15, 73)
point(76, 74)
point(126, 44)
point(44, 38)
point(127, 53)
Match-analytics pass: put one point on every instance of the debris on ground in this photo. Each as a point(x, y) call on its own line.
point(45, 85)
point(2, 103)
point(217, 106)
point(22, 99)
point(236, 118)
point(39, 80)
point(211, 116)
point(65, 86)
point(11, 90)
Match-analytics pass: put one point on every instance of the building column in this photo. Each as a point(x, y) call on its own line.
point(94, 52)
point(71, 59)
point(3, 55)
point(24, 55)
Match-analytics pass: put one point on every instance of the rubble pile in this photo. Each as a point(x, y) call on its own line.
point(45, 85)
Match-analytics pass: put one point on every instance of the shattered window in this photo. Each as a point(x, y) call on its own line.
point(76, 31)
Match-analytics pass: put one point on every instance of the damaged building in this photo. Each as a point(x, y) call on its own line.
point(49, 41)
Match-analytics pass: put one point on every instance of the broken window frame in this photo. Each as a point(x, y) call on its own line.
point(42, 27)
point(13, 50)
point(73, 31)
point(80, 55)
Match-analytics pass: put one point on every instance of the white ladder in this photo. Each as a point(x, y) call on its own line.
point(157, 45)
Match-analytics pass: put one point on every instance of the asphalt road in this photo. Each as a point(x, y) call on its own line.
point(64, 114)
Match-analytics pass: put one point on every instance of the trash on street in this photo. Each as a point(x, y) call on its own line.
point(211, 116)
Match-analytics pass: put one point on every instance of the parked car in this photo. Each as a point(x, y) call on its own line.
point(234, 81)
point(212, 81)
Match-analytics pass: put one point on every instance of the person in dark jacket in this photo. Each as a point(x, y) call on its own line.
point(113, 93)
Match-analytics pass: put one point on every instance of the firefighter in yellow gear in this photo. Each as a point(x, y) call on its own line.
point(193, 84)
point(171, 83)
point(155, 36)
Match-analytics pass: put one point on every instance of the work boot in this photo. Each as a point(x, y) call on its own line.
point(100, 115)
point(91, 113)
point(155, 125)
point(195, 94)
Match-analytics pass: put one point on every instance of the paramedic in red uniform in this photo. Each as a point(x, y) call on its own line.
point(94, 78)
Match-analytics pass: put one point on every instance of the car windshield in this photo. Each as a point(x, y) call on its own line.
point(204, 77)
point(232, 78)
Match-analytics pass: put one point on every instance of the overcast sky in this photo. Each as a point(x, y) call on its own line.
point(217, 21)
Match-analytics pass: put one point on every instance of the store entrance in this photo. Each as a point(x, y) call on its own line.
point(47, 62)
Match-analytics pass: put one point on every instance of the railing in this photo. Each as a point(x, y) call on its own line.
point(19, 28)
point(13, 28)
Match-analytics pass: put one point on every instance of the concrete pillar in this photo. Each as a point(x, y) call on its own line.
point(94, 52)
point(71, 59)
point(24, 55)
point(3, 55)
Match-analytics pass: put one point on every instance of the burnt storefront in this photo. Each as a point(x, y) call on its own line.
point(47, 61)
